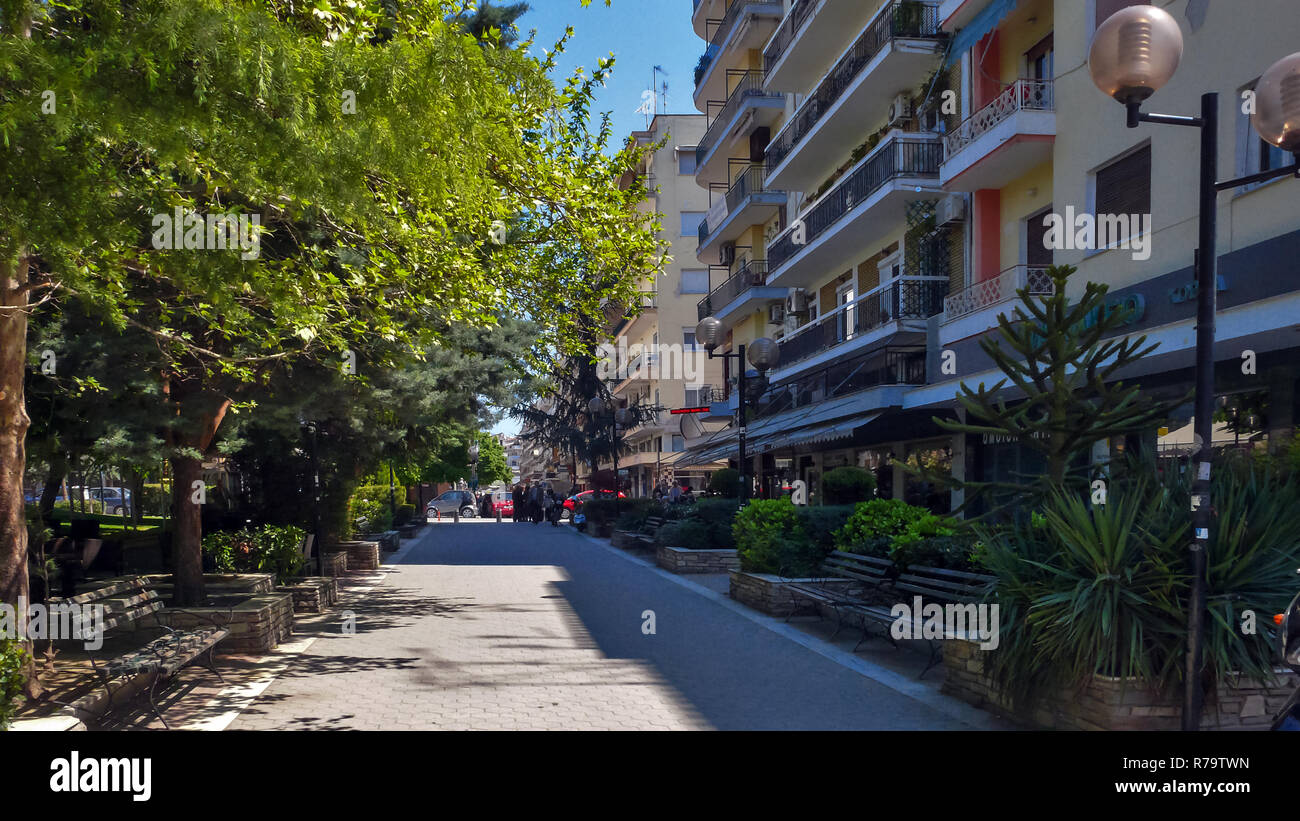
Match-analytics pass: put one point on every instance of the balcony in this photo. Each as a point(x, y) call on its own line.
point(623, 321)
point(895, 51)
point(974, 309)
point(747, 107)
point(1002, 140)
point(812, 33)
point(746, 24)
point(899, 306)
point(701, 12)
point(896, 366)
point(742, 204)
point(740, 293)
point(864, 207)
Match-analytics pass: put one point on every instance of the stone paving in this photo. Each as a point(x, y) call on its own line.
point(518, 626)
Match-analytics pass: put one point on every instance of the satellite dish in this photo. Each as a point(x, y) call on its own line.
point(691, 427)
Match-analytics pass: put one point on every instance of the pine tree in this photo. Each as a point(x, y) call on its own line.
point(1059, 394)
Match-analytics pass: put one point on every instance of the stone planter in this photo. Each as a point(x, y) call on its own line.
point(605, 529)
point(361, 555)
point(218, 584)
point(312, 594)
point(257, 623)
point(683, 560)
point(1111, 704)
point(770, 594)
point(336, 564)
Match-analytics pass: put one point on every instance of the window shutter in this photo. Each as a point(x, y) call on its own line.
point(1124, 186)
point(1105, 8)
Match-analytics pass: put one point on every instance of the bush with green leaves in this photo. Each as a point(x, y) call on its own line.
point(725, 483)
point(894, 519)
point(627, 514)
point(268, 549)
point(704, 525)
point(405, 513)
point(822, 522)
point(771, 538)
point(13, 658)
point(1103, 589)
point(370, 509)
point(848, 485)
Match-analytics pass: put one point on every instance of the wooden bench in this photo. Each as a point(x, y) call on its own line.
point(127, 601)
point(646, 534)
point(869, 572)
point(937, 585)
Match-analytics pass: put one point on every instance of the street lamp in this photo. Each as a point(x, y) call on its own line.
point(1133, 54)
point(763, 354)
point(309, 430)
point(473, 465)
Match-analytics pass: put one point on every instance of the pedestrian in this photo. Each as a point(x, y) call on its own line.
point(517, 500)
point(675, 495)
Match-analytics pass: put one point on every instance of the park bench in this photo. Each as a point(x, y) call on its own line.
point(127, 602)
point(825, 590)
point(945, 587)
point(645, 534)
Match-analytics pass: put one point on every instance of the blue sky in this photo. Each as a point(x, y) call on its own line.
point(642, 34)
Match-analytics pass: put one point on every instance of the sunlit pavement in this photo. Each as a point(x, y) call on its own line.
point(481, 625)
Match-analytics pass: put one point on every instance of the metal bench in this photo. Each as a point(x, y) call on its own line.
point(870, 572)
point(647, 532)
point(947, 587)
point(129, 600)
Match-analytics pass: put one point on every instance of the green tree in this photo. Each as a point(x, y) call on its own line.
point(1059, 393)
point(488, 21)
point(344, 127)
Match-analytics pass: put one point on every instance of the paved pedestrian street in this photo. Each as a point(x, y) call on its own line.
point(489, 626)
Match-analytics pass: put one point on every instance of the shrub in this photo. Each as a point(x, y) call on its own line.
point(765, 532)
point(690, 533)
point(405, 513)
point(628, 514)
point(848, 485)
point(725, 483)
point(269, 549)
point(369, 509)
point(12, 660)
point(894, 519)
point(821, 522)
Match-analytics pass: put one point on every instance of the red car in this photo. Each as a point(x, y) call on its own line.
point(577, 499)
point(506, 507)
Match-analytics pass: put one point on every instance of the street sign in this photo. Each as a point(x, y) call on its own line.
point(702, 409)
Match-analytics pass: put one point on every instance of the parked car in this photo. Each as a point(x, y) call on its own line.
point(448, 503)
point(587, 495)
point(506, 507)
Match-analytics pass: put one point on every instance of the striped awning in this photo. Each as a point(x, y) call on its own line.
point(980, 25)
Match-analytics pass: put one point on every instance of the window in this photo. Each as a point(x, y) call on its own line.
point(1124, 187)
point(679, 443)
point(1040, 60)
point(695, 281)
point(695, 397)
point(688, 338)
point(1105, 8)
point(691, 223)
point(686, 160)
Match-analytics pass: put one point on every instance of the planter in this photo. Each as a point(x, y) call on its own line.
point(1106, 703)
point(218, 584)
point(361, 555)
point(312, 594)
point(770, 594)
point(684, 560)
point(605, 529)
point(257, 623)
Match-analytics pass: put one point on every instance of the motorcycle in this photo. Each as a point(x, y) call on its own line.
point(580, 521)
point(1288, 718)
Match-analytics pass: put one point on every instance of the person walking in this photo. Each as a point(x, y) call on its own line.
point(517, 500)
point(675, 495)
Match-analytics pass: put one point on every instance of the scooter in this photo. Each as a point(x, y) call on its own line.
point(555, 513)
point(1288, 718)
point(579, 521)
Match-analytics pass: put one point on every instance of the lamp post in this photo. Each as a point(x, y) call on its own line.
point(309, 429)
point(598, 407)
point(1133, 54)
point(763, 354)
point(473, 466)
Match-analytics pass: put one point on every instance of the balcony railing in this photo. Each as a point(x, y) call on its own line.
point(749, 85)
point(722, 29)
point(1000, 288)
point(752, 274)
point(1022, 95)
point(786, 32)
point(901, 18)
point(748, 181)
point(894, 365)
point(905, 299)
point(899, 157)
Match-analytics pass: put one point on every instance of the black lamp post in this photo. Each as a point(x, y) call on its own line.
point(1135, 52)
point(763, 354)
point(309, 429)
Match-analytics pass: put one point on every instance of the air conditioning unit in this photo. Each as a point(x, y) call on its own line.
point(776, 313)
point(950, 210)
point(727, 253)
point(797, 301)
point(900, 109)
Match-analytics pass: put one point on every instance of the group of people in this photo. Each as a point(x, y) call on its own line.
point(534, 502)
point(674, 493)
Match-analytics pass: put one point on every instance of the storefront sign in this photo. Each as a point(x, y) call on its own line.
point(1189, 291)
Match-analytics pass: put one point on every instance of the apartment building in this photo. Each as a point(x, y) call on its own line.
point(886, 167)
point(657, 361)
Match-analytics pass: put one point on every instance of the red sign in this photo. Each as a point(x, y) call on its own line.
point(704, 409)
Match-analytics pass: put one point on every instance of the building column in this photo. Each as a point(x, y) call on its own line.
point(958, 462)
point(900, 475)
point(1281, 408)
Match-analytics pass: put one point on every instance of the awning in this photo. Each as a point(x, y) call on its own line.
point(980, 25)
point(825, 432)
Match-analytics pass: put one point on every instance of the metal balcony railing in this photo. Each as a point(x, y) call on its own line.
point(721, 30)
point(749, 86)
point(1022, 95)
point(785, 34)
point(901, 18)
point(748, 181)
point(752, 274)
point(897, 157)
point(894, 365)
point(905, 299)
point(1000, 288)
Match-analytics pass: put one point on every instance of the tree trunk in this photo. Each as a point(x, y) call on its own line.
point(187, 532)
point(13, 455)
point(53, 482)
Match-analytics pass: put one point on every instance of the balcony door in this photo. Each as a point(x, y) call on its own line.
point(1037, 254)
point(844, 296)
